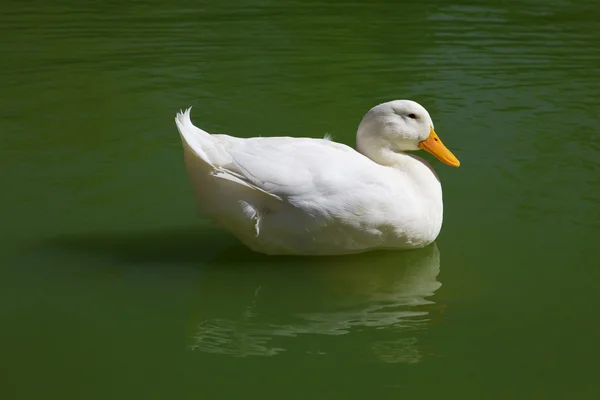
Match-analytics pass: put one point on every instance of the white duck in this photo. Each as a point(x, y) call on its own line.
point(305, 196)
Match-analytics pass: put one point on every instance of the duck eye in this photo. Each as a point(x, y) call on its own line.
point(412, 116)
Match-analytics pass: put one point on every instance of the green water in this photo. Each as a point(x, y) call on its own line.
point(111, 288)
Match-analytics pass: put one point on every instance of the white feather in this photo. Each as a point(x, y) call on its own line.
point(284, 195)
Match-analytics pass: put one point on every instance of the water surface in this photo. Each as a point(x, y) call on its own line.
point(112, 288)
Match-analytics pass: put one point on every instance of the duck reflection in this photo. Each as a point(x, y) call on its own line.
point(378, 302)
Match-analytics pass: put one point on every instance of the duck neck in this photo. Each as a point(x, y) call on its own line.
point(387, 157)
point(384, 155)
point(416, 168)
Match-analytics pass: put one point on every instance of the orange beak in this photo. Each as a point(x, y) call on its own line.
point(434, 145)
